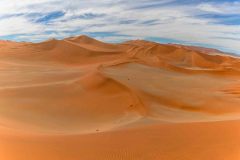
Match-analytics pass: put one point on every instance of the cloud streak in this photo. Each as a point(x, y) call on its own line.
point(207, 23)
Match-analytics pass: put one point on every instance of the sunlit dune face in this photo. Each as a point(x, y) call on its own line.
point(80, 98)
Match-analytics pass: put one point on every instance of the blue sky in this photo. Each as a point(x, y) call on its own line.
point(209, 23)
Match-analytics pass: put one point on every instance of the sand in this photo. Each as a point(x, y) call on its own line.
point(79, 98)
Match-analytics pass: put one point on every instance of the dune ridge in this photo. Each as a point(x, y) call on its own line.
point(80, 98)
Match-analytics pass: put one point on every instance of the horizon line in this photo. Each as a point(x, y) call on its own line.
point(123, 41)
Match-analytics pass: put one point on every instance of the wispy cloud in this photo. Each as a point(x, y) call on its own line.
point(212, 23)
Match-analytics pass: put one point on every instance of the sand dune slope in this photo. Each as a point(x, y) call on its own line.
point(79, 98)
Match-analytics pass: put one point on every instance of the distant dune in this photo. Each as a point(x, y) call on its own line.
point(83, 99)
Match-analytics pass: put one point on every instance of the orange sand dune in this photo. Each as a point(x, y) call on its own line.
point(79, 98)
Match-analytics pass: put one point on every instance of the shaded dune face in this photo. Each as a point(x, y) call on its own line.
point(92, 102)
point(79, 98)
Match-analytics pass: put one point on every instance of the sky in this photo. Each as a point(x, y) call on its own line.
point(207, 23)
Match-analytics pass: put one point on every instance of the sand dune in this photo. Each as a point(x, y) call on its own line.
point(79, 98)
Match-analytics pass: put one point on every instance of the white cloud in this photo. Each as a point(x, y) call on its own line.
point(209, 8)
point(18, 25)
point(223, 8)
